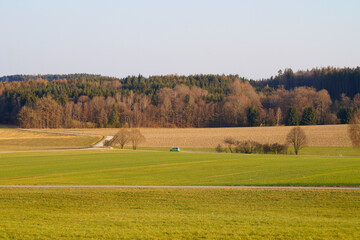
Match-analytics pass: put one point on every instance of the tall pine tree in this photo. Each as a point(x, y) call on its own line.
point(114, 117)
point(253, 117)
point(309, 116)
point(292, 117)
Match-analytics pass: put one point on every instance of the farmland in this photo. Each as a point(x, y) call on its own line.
point(116, 167)
point(318, 136)
point(15, 139)
point(168, 213)
point(178, 214)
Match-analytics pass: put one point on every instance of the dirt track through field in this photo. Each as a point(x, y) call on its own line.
point(181, 187)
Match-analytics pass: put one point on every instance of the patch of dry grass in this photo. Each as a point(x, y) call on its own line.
point(318, 136)
point(14, 139)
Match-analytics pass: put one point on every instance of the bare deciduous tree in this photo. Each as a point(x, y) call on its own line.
point(354, 130)
point(136, 138)
point(120, 138)
point(230, 142)
point(297, 138)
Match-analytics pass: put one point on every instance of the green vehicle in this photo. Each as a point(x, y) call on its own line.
point(175, 149)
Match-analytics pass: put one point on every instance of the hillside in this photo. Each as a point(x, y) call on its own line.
point(83, 100)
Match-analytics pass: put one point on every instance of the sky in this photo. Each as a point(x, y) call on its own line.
point(252, 38)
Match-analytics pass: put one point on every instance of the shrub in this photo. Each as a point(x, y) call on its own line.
point(219, 148)
point(247, 147)
point(309, 116)
point(354, 130)
point(230, 142)
point(253, 147)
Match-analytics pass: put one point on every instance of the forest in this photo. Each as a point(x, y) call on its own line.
point(317, 96)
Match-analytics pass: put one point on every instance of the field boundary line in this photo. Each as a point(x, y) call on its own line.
point(56, 132)
point(182, 187)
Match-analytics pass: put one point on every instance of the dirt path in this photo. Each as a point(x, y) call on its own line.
point(182, 187)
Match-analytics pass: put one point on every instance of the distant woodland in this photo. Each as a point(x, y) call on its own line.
point(317, 96)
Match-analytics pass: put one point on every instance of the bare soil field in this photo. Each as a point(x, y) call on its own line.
point(318, 136)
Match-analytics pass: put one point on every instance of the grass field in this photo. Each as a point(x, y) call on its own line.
point(163, 168)
point(14, 139)
point(178, 214)
point(316, 151)
point(318, 136)
point(119, 213)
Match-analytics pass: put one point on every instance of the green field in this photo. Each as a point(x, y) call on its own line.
point(163, 168)
point(121, 213)
point(178, 214)
point(319, 151)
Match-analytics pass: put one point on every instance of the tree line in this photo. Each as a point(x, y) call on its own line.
point(76, 101)
point(336, 81)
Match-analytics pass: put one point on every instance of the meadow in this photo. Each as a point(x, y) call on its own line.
point(124, 167)
point(12, 139)
point(313, 151)
point(166, 213)
point(178, 214)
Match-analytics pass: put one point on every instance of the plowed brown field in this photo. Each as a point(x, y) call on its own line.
point(328, 135)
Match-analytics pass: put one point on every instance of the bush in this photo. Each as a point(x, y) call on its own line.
point(253, 147)
point(248, 147)
point(354, 130)
point(279, 148)
point(219, 148)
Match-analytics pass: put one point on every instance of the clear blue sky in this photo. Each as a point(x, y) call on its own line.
point(252, 38)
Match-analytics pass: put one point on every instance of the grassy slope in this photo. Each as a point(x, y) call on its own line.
point(178, 214)
point(14, 139)
point(162, 168)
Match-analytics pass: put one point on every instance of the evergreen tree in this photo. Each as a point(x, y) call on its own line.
point(309, 117)
point(114, 117)
point(344, 114)
point(253, 116)
point(292, 117)
point(187, 111)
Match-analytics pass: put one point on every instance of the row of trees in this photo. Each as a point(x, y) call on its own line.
point(295, 138)
point(124, 136)
point(166, 101)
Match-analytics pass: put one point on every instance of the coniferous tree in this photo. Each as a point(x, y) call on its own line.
point(253, 117)
point(114, 117)
point(309, 116)
point(344, 114)
point(292, 117)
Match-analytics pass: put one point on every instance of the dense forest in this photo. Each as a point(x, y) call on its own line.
point(336, 81)
point(317, 96)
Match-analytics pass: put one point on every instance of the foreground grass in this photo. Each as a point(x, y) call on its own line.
point(17, 140)
point(178, 214)
point(90, 167)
